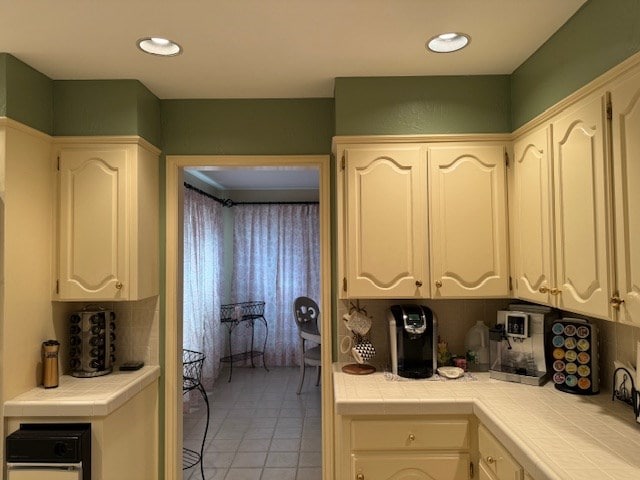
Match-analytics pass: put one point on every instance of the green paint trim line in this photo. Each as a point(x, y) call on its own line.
point(3, 84)
point(27, 94)
point(247, 126)
point(422, 105)
point(599, 36)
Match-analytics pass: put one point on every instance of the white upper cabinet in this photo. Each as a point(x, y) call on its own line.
point(625, 101)
point(409, 208)
point(385, 244)
point(468, 221)
point(583, 246)
point(531, 205)
point(108, 222)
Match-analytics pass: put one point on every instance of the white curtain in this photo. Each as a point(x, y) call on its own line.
point(203, 262)
point(276, 251)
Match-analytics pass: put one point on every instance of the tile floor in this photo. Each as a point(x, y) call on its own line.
point(259, 428)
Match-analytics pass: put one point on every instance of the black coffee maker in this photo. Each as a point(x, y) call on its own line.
point(413, 341)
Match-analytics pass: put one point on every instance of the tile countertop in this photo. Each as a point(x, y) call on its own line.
point(553, 435)
point(82, 397)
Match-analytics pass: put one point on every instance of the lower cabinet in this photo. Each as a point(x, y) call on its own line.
point(495, 462)
point(124, 444)
point(404, 448)
point(397, 466)
point(421, 447)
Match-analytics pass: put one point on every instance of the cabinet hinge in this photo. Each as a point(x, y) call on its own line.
point(344, 284)
point(471, 472)
point(609, 111)
point(342, 162)
point(506, 159)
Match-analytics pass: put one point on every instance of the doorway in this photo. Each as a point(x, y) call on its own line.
point(176, 166)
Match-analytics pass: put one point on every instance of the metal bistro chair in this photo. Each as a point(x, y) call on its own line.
point(192, 363)
point(307, 315)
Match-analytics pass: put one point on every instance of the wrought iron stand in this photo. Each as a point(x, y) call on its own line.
point(232, 315)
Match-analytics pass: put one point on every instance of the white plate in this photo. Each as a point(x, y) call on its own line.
point(450, 372)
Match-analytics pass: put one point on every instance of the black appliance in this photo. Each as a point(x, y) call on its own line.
point(39, 448)
point(413, 341)
point(573, 355)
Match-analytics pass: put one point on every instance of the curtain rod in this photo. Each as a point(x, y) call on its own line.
point(227, 202)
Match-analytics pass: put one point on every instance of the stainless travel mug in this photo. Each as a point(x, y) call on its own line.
point(50, 374)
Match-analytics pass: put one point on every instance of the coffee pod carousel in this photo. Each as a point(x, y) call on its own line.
point(358, 344)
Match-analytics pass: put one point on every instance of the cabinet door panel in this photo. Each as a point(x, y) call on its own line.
point(484, 472)
point(92, 223)
point(582, 236)
point(385, 222)
point(532, 229)
point(468, 221)
point(495, 459)
point(396, 466)
point(414, 434)
point(625, 100)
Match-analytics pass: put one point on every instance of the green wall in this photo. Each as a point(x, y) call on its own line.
point(26, 95)
point(248, 127)
point(3, 84)
point(599, 36)
point(106, 107)
point(420, 105)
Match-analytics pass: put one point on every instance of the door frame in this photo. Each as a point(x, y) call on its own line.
point(175, 165)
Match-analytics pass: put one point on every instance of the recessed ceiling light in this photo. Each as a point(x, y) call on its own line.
point(159, 46)
point(448, 42)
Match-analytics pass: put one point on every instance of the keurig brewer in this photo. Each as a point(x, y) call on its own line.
point(414, 338)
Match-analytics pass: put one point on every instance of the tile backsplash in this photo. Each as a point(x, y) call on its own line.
point(617, 342)
point(455, 317)
point(137, 329)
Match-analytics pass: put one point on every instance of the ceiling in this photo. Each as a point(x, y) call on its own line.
point(272, 48)
point(259, 178)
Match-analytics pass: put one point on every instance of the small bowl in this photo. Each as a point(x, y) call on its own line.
point(450, 372)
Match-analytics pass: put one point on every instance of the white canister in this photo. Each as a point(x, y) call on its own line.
point(476, 344)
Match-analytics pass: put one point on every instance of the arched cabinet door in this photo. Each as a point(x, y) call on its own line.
point(93, 223)
point(468, 221)
point(399, 466)
point(625, 102)
point(583, 246)
point(108, 221)
point(386, 221)
point(532, 229)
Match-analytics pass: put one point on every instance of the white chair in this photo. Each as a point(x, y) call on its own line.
point(307, 315)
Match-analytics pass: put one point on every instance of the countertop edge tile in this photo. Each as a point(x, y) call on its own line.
point(84, 397)
point(444, 407)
